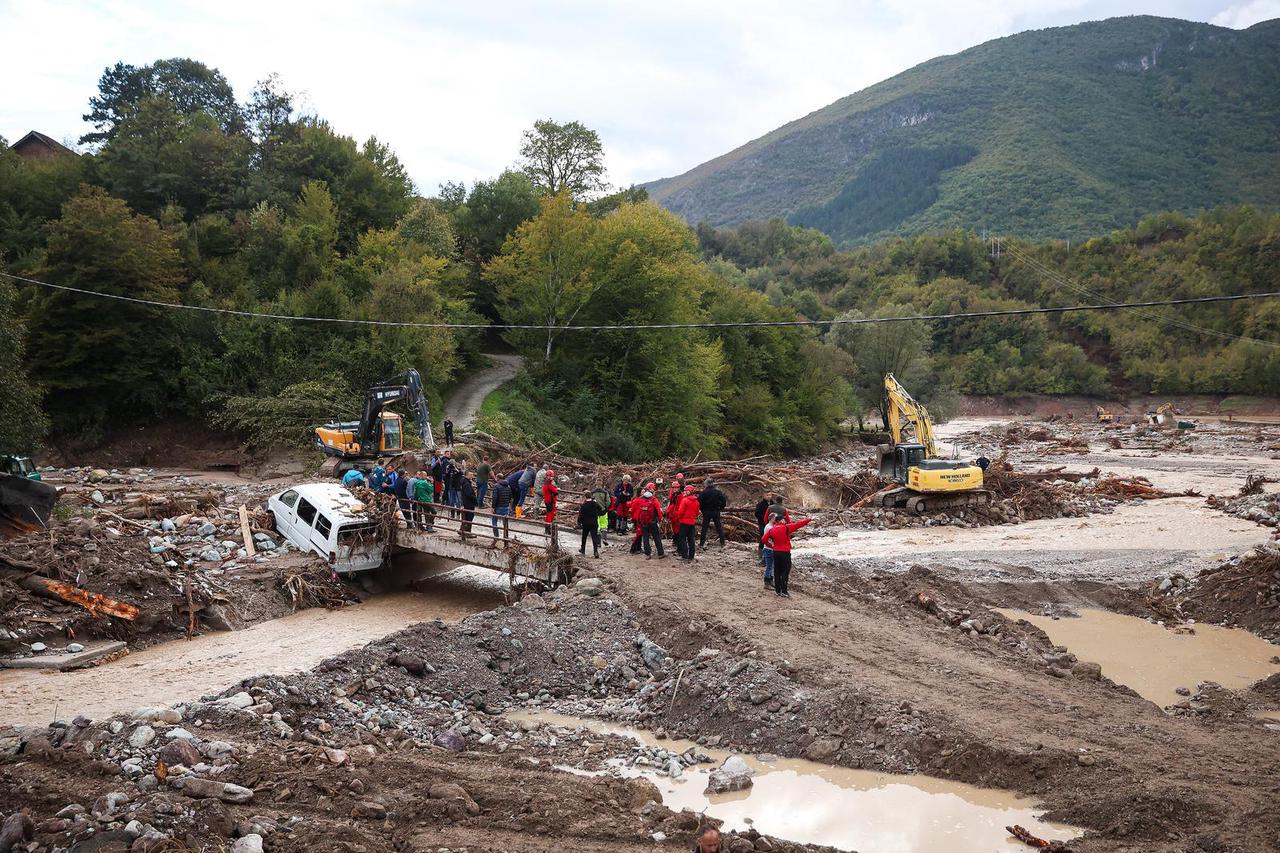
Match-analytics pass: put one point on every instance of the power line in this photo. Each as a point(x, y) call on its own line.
point(1059, 278)
point(628, 327)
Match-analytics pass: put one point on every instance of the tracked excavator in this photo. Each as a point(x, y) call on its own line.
point(924, 482)
point(25, 501)
point(379, 433)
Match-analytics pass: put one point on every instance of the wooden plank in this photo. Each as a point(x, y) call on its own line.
point(244, 531)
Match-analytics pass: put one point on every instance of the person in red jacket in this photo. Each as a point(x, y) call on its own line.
point(779, 539)
point(685, 519)
point(549, 492)
point(648, 513)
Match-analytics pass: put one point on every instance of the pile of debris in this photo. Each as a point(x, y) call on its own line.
point(1252, 504)
point(1244, 591)
point(121, 564)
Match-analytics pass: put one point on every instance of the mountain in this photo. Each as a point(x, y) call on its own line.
point(1064, 132)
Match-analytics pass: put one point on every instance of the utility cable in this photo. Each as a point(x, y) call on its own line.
point(1062, 279)
point(628, 327)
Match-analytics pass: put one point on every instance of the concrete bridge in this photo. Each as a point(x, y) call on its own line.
point(523, 549)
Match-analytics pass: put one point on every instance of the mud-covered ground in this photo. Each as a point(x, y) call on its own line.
point(889, 656)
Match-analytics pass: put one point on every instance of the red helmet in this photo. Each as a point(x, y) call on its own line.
point(679, 476)
point(650, 486)
point(688, 490)
point(550, 473)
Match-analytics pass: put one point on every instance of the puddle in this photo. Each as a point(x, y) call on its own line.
point(178, 671)
point(806, 802)
point(1155, 661)
point(1268, 715)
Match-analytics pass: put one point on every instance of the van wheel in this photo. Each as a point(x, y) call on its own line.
point(271, 516)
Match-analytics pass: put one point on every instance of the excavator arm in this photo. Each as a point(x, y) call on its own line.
point(904, 412)
point(406, 386)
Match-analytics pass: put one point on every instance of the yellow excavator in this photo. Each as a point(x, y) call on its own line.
point(1103, 416)
point(378, 433)
point(924, 482)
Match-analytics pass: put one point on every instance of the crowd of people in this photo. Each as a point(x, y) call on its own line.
point(682, 513)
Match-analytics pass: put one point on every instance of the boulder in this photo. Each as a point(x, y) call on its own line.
point(822, 749)
point(1085, 669)
point(251, 843)
point(180, 752)
point(451, 741)
point(142, 736)
point(734, 775)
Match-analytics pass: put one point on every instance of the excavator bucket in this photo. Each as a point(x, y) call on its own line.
point(885, 460)
point(25, 505)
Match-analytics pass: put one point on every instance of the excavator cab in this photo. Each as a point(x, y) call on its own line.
point(392, 433)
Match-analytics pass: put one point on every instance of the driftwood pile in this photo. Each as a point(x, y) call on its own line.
point(740, 479)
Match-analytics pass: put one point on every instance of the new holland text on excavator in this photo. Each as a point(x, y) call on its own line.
point(925, 482)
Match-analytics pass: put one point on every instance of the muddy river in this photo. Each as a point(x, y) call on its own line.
point(815, 803)
point(183, 670)
point(1155, 661)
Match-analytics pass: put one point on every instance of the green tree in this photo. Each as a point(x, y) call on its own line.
point(105, 361)
point(544, 275)
point(563, 158)
point(900, 348)
point(190, 86)
point(427, 226)
point(22, 421)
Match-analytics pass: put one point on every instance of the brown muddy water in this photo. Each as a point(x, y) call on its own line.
point(182, 670)
point(807, 802)
point(1153, 660)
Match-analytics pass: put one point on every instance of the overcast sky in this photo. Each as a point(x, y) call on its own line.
point(451, 85)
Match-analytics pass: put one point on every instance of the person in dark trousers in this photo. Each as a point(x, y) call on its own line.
point(437, 476)
point(467, 497)
point(648, 516)
point(448, 432)
point(762, 518)
point(400, 488)
point(624, 493)
point(457, 474)
point(589, 520)
point(504, 499)
point(483, 472)
point(526, 484)
point(779, 539)
point(684, 518)
point(712, 503)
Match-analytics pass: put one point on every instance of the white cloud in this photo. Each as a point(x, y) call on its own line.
point(450, 86)
point(1243, 15)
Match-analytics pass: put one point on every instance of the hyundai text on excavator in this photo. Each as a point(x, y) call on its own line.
point(379, 432)
point(925, 482)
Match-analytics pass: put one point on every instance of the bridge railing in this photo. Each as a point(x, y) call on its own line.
point(429, 518)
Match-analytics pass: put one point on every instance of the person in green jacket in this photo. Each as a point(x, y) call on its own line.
point(422, 493)
point(483, 472)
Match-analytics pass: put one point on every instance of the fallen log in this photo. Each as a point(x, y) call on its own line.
point(95, 602)
point(1027, 838)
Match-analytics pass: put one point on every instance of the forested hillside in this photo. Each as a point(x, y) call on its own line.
point(1058, 133)
point(274, 221)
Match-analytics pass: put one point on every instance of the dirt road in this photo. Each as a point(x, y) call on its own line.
point(465, 400)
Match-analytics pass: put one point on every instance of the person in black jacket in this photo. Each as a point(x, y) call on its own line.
point(762, 512)
point(589, 520)
point(623, 494)
point(504, 499)
point(467, 495)
point(712, 502)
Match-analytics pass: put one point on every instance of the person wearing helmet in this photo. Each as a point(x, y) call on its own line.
point(676, 490)
point(549, 492)
point(685, 520)
point(648, 515)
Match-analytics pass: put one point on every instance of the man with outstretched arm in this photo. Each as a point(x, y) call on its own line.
point(779, 539)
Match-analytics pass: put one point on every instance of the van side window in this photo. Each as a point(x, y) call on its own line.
point(289, 498)
point(306, 512)
point(323, 526)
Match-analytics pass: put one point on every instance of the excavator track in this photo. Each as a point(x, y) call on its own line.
point(925, 502)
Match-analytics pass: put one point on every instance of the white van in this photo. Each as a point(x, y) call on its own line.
point(326, 519)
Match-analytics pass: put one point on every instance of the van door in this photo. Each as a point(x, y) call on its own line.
point(320, 534)
point(304, 531)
